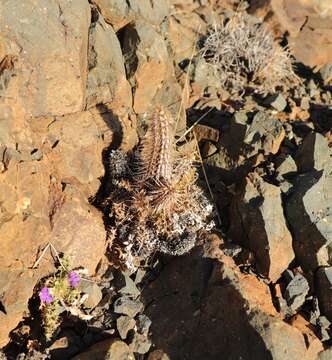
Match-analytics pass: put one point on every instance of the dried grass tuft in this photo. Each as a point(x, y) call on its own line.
point(243, 53)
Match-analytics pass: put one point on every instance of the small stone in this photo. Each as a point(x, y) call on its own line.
point(124, 324)
point(140, 273)
point(130, 288)
point(285, 166)
point(127, 306)
point(140, 344)
point(158, 355)
point(312, 87)
point(326, 73)
point(241, 117)
point(93, 291)
point(305, 103)
point(143, 324)
point(277, 101)
point(296, 292)
point(208, 149)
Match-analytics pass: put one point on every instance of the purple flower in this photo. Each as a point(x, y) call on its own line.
point(45, 295)
point(74, 279)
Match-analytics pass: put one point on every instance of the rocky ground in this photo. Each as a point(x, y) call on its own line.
point(77, 80)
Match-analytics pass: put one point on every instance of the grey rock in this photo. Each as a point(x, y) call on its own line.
point(326, 73)
point(277, 101)
point(325, 355)
point(296, 292)
point(261, 226)
point(314, 153)
point(143, 324)
point(127, 306)
point(130, 288)
point(93, 291)
point(106, 80)
point(285, 167)
point(323, 280)
point(309, 216)
point(140, 344)
point(124, 324)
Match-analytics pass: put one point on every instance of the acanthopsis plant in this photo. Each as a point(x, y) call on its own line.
point(156, 204)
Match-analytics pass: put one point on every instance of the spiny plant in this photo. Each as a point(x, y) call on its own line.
point(243, 52)
point(155, 203)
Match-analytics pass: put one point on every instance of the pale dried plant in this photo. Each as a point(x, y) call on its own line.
point(244, 52)
point(157, 206)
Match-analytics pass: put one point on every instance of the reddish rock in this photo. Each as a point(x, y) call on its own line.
point(50, 75)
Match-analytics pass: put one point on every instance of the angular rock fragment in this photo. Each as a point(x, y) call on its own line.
point(106, 82)
point(314, 153)
point(124, 324)
point(259, 225)
point(127, 306)
point(296, 292)
point(309, 216)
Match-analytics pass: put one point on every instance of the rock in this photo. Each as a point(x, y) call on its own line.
point(309, 28)
point(325, 355)
point(326, 73)
point(66, 345)
point(110, 349)
point(77, 225)
point(309, 218)
point(204, 132)
point(285, 167)
point(323, 325)
point(107, 82)
point(93, 291)
point(58, 87)
point(314, 153)
point(243, 146)
point(130, 287)
point(148, 64)
point(127, 306)
point(143, 324)
point(158, 355)
point(119, 13)
point(277, 101)
point(323, 280)
point(296, 292)
point(124, 324)
point(262, 227)
point(140, 344)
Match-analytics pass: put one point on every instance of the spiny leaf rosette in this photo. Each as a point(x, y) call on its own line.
point(155, 202)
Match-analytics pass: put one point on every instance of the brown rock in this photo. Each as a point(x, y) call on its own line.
point(309, 25)
point(107, 349)
point(148, 62)
point(50, 75)
point(262, 226)
point(76, 227)
point(119, 13)
point(158, 355)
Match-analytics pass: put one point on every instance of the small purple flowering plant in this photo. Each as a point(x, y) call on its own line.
point(60, 293)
